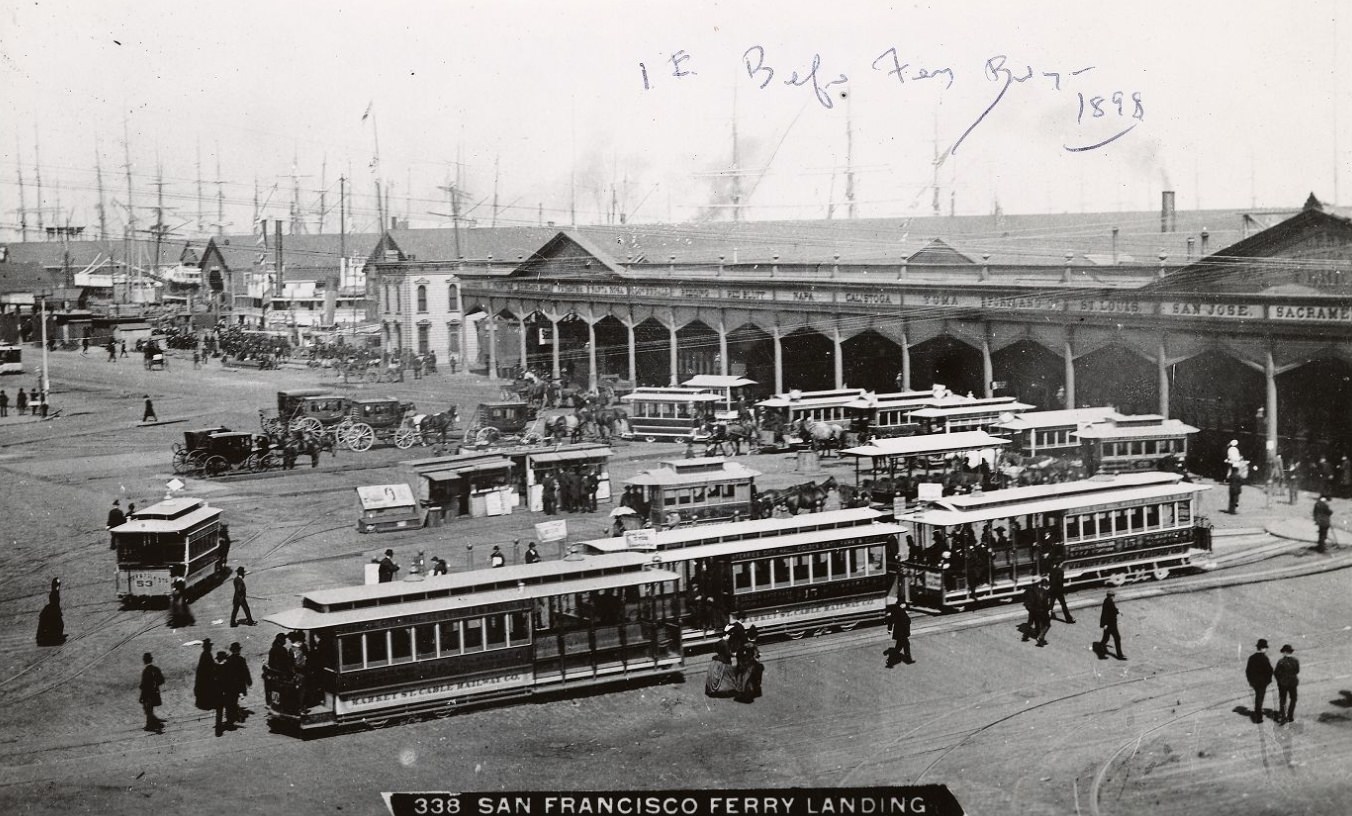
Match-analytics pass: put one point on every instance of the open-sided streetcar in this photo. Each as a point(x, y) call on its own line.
point(172, 539)
point(965, 550)
point(372, 653)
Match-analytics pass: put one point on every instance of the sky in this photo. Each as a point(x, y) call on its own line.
point(590, 112)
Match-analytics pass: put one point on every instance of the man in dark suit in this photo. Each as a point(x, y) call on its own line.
point(1058, 581)
point(387, 567)
point(1259, 674)
point(899, 626)
point(1108, 621)
point(1287, 673)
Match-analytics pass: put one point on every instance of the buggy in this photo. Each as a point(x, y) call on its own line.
point(385, 418)
point(313, 410)
point(214, 451)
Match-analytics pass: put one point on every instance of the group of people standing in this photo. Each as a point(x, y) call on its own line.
point(1260, 673)
point(571, 490)
point(221, 679)
point(735, 670)
point(34, 399)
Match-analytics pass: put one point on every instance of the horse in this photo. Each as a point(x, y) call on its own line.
point(824, 436)
point(438, 424)
point(566, 427)
point(610, 421)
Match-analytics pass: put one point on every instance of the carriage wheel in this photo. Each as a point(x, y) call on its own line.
point(216, 465)
point(405, 438)
point(309, 424)
point(360, 436)
point(182, 461)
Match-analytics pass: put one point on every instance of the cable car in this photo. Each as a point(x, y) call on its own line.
point(178, 538)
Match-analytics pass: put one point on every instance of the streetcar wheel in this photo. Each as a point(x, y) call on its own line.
point(796, 635)
point(1117, 579)
point(216, 465)
point(404, 438)
point(360, 437)
point(1161, 573)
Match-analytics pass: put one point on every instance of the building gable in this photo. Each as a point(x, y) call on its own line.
point(1307, 254)
point(940, 253)
point(568, 255)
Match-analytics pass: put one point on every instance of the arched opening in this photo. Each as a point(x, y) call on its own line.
point(1117, 376)
point(751, 354)
point(1312, 418)
point(872, 362)
point(1032, 373)
point(949, 362)
point(696, 350)
point(652, 357)
point(612, 348)
point(1222, 397)
point(809, 361)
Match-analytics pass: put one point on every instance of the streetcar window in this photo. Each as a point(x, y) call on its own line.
point(877, 559)
point(798, 565)
point(1120, 521)
point(839, 558)
point(1184, 513)
point(426, 639)
point(669, 499)
point(698, 495)
point(821, 567)
point(1152, 517)
point(1167, 510)
point(761, 574)
point(377, 649)
point(350, 652)
point(1090, 525)
point(450, 637)
point(495, 628)
point(1137, 519)
point(401, 646)
point(474, 635)
point(741, 576)
point(858, 562)
point(518, 628)
point(781, 571)
point(1072, 528)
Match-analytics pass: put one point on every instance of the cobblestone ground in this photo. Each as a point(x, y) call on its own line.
point(1009, 727)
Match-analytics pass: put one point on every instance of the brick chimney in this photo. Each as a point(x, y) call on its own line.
point(1167, 211)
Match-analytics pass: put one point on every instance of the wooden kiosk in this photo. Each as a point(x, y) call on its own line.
point(385, 508)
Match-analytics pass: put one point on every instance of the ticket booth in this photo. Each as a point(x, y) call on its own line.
point(474, 485)
point(385, 508)
point(538, 466)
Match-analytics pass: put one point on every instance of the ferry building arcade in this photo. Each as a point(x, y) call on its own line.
point(1253, 341)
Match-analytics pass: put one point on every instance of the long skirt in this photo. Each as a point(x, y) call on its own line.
point(720, 680)
point(51, 626)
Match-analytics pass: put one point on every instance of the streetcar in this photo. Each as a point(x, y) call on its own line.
point(966, 550)
point(177, 538)
point(11, 359)
point(1139, 442)
point(387, 651)
point(888, 415)
point(1050, 433)
point(668, 413)
point(695, 491)
point(730, 389)
point(958, 414)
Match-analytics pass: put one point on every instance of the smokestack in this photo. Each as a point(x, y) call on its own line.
point(1114, 246)
point(1205, 236)
point(1167, 211)
point(1190, 242)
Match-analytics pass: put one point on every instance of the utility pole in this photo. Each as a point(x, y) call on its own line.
point(98, 174)
point(220, 194)
point(323, 191)
point(297, 220)
point(331, 293)
point(37, 176)
point(935, 163)
point(279, 286)
point(158, 229)
point(23, 206)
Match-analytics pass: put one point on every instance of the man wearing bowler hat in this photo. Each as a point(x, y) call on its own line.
point(1288, 677)
point(1259, 674)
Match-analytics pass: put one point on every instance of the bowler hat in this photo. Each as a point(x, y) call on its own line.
point(1262, 644)
point(389, 552)
point(1287, 649)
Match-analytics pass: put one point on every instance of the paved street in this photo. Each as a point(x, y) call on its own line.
point(1009, 727)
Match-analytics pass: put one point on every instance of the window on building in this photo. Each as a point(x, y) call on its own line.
point(422, 299)
point(423, 343)
point(451, 304)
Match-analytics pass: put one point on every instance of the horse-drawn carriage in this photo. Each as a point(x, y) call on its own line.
point(499, 421)
point(313, 411)
point(218, 450)
point(385, 419)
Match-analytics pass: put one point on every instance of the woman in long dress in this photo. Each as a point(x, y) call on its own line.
point(720, 679)
point(51, 623)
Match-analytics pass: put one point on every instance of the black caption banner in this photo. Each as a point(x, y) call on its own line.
point(930, 800)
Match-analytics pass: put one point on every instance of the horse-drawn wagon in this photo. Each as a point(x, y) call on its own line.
point(385, 419)
point(214, 451)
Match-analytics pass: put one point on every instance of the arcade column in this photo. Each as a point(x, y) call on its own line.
point(521, 335)
point(987, 366)
point(554, 346)
point(722, 349)
point(839, 356)
point(492, 347)
point(1162, 367)
point(633, 352)
point(591, 354)
point(1069, 354)
point(779, 359)
point(905, 363)
point(1270, 375)
point(674, 361)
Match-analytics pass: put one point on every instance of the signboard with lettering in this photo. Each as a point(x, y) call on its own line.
point(780, 616)
point(439, 691)
point(381, 497)
point(1113, 306)
point(1311, 314)
point(556, 530)
point(1225, 311)
point(942, 299)
point(642, 539)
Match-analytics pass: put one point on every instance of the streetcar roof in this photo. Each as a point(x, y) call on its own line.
point(305, 618)
point(1169, 427)
point(704, 470)
point(671, 395)
point(681, 537)
point(752, 545)
point(892, 400)
point(927, 444)
point(947, 517)
point(168, 525)
point(717, 381)
point(970, 408)
point(567, 455)
point(810, 399)
point(1072, 417)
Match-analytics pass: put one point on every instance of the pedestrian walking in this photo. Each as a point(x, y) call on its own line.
point(21, 402)
point(204, 682)
point(1287, 674)
point(1259, 674)
point(1108, 622)
point(124, 348)
point(42, 404)
point(84, 346)
point(899, 627)
point(1327, 475)
point(196, 359)
point(151, 681)
point(51, 623)
point(590, 484)
point(496, 558)
point(149, 413)
point(387, 567)
point(237, 670)
point(1058, 590)
point(549, 495)
point(4, 403)
point(180, 613)
point(439, 566)
point(1293, 477)
point(1043, 607)
point(240, 601)
point(532, 554)
point(1323, 517)
point(112, 351)
point(221, 701)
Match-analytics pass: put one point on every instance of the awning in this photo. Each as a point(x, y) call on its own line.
point(927, 445)
point(568, 456)
point(442, 476)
